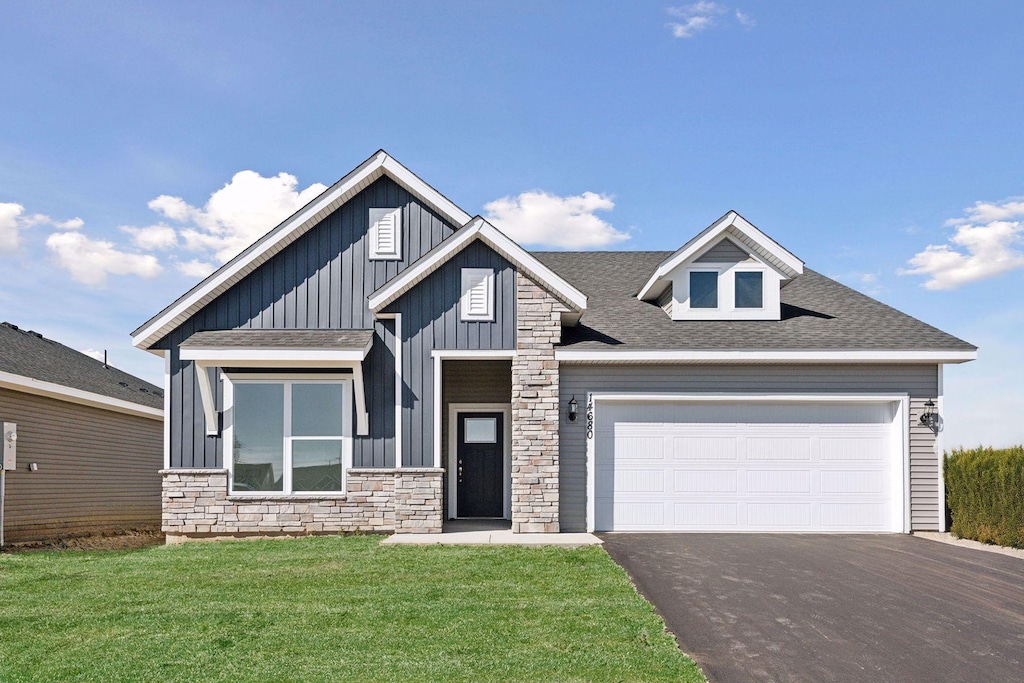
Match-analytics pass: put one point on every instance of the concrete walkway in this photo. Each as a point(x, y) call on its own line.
point(484, 532)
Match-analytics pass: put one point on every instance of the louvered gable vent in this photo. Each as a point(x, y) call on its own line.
point(477, 301)
point(386, 234)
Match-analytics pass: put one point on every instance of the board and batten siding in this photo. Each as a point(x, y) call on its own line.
point(431, 321)
point(98, 469)
point(920, 382)
point(320, 281)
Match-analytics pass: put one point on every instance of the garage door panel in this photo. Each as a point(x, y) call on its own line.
point(778, 481)
point(705, 481)
point(779, 515)
point(778, 448)
point(708, 515)
point(850, 481)
point(704, 448)
point(748, 467)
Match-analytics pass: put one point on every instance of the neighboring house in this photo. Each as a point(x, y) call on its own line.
point(88, 447)
point(721, 387)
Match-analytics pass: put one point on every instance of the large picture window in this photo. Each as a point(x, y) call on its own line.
point(288, 436)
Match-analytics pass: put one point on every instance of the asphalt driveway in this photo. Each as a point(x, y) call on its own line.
point(765, 607)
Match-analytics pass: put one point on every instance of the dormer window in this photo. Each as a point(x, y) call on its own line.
point(386, 234)
point(704, 289)
point(749, 289)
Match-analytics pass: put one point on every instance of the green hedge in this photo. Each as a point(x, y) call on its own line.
point(985, 492)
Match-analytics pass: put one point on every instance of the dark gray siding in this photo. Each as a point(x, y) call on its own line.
point(322, 280)
point(430, 321)
point(919, 381)
point(98, 470)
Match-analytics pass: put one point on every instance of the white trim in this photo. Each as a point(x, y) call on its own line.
point(494, 238)
point(740, 230)
point(271, 357)
point(60, 392)
point(167, 409)
point(763, 356)
point(453, 412)
point(472, 354)
point(230, 379)
point(940, 449)
point(397, 317)
point(206, 396)
point(286, 233)
point(900, 423)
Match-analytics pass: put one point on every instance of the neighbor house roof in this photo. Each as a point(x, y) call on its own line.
point(32, 363)
point(292, 228)
point(818, 314)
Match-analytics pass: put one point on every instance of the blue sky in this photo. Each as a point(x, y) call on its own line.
point(864, 137)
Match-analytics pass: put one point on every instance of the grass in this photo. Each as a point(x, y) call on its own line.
point(329, 609)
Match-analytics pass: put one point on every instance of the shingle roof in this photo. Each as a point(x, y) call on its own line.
point(29, 354)
point(818, 313)
point(280, 339)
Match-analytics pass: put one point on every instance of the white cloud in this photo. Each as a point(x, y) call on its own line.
point(700, 16)
point(986, 244)
point(195, 268)
point(93, 353)
point(237, 214)
point(91, 261)
point(153, 237)
point(540, 218)
point(70, 224)
point(746, 21)
point(10, 226)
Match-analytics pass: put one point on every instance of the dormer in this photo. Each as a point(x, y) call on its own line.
point(730, 271)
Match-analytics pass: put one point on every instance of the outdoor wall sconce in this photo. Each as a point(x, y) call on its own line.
point(574, 409)
point(929, 418)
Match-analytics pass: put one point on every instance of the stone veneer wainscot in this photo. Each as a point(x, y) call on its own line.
point(196, 503)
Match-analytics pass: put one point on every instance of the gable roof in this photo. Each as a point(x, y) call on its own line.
point(818, 314)
point(287, 232)
point(478, 229)
point(32, 363)
point(736, 228)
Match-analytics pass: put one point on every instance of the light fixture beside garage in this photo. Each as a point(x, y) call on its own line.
point(929, 418)
point(574, 408)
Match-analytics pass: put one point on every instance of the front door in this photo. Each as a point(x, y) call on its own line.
point(481, 465)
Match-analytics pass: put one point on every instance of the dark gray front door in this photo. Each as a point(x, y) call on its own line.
point(481, 466)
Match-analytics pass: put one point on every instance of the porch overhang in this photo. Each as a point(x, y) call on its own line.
point(320, 349)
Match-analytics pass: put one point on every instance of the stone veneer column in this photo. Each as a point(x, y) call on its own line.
point(535, 409)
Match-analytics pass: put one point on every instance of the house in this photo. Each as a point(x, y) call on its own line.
point(383, 361)
point(82, 442)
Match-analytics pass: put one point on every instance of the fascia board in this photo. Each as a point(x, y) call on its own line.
point(60, 392)
point(764, 356)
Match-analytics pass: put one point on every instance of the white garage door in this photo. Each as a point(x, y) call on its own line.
point(748, 466)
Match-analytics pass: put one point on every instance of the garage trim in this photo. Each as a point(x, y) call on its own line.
point(900, 419)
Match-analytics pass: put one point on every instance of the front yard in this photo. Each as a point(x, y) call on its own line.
point(329, 609)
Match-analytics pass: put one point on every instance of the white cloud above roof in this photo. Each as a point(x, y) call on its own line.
point(238, 214)
point(153, 237)
point(92, 261)
point(539, 218)
point(987, 243)
point(10, 226)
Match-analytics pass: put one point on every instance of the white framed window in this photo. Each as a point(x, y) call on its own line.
point(749, 289)
point(477, 301)
point(287, 434)
point(704, 289)
point(386, 234)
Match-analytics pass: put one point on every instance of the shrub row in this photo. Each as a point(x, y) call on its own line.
point(985, 493)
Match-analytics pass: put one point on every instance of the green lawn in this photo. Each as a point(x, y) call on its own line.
point(328, 609)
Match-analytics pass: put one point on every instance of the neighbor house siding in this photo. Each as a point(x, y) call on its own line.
point(320, 281)
point(918, 381)
point(98, 470)
point(431, 321)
